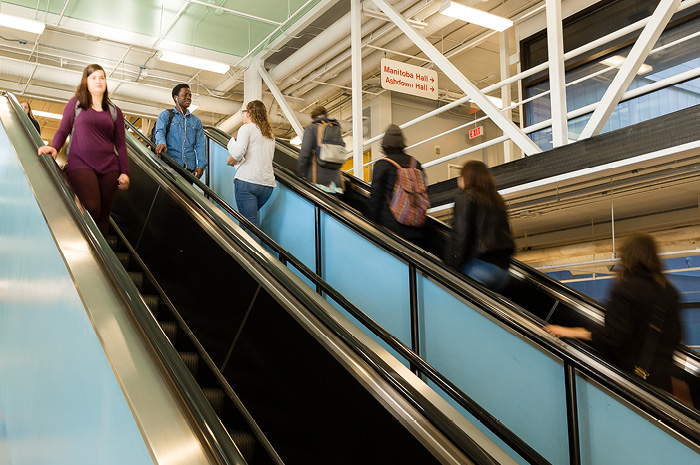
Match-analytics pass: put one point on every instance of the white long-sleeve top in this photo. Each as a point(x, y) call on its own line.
point(257, 153)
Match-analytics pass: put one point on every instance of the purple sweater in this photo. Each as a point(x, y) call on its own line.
point(94, 138)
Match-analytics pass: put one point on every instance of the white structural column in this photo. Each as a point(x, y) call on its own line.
point(557, 82)
point(286, 109)
point(506, 97)
point(356, 61)
point(506, 125)
point(252, 82)
point(650, 34)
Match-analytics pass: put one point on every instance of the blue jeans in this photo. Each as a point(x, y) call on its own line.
point(250, 198)
point(488, 274)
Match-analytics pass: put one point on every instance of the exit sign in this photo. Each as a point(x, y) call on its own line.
point(476, 132)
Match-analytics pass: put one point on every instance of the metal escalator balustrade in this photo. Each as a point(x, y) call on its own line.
point(285, 257)
point(214, 440)
point(590, 371)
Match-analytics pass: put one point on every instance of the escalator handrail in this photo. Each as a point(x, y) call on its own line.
point(575, 353)
point(447, 427)
point(208, 424)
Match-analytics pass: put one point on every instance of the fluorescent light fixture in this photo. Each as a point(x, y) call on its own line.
point(192, 107)
point(46, 114)
point(23, 24)
point(296, 141)
point(193, 62)
point(474, 16)
point(617, 60)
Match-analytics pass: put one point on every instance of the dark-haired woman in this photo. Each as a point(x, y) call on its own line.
point(28, 110)
point(97, 160)
point(481, 243)
point(641, 296)
point(252, 152)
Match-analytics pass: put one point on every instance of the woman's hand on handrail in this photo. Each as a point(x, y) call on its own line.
point(47, 150)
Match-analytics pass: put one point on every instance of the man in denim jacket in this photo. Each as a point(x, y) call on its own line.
point(185, 139)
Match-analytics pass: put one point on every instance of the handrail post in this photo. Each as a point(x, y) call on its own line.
point(413, 295)
point(317, 240)
point(572, 414)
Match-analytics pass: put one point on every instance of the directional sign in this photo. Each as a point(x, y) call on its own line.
point(409, 79)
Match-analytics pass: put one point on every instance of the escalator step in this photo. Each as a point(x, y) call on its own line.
point(191, 359)
point(124, 258)
point(137, 278)
point(113, 242)
point(245, 443)
point(152, 302)
point(216, 399)
point(170, 330)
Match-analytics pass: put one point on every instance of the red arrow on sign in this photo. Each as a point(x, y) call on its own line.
point(432, 88)
point(432, 80)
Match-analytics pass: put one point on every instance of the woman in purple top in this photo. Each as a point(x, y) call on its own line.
point(97, 160)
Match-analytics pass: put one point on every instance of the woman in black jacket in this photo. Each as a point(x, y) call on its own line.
point(481, 243)
point(642, 298)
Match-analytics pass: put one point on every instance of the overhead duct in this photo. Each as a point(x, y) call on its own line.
point(386, 36)
point(313, 92)
point(331, 42)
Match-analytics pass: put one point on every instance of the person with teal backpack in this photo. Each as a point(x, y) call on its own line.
point(97, 159)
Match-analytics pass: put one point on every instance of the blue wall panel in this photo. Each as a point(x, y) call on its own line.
point(369, 277)
point(289, 220)
point(59, 400)
point(220, 174)
point(603, 420)
point(515, 382)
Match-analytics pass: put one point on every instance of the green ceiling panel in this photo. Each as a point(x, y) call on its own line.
point(199, 26)
point(42, 6)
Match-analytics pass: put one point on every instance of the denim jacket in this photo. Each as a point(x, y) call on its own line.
point(185, 151)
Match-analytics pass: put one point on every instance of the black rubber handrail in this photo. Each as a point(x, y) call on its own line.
point(582, 357)
point(455, 434)
point(208, 424)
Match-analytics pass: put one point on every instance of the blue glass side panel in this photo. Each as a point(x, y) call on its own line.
point(220, 174)
point(603, 421)
point(289, 220)
point(515, 382)
point(369, 277)
point(481, 427)
point(59, 400)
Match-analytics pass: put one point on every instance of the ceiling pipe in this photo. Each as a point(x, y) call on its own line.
point(341, 56)
point(313, 93)
point(328, 44)
point(148, 95)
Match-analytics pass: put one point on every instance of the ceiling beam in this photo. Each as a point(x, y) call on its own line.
point(506, 125)
point(635, 59)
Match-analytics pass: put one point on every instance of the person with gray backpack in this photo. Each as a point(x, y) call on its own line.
point(322, 153)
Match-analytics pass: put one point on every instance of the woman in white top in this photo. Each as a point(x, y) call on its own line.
point(252, 152)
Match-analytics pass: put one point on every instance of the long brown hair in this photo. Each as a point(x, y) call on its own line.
point(639, 256)
point(82, 92)
point(29, 107)
point(258, 114)
point(477, 178)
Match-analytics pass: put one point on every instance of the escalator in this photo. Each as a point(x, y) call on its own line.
point(290, 379)
point(539, 294)
point(470, 334)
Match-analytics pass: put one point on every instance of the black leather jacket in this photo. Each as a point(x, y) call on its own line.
point(479, 231)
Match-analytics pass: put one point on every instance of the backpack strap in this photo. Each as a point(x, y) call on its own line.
point(320, 132)
point(170, 121)
point(392, 162)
